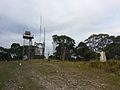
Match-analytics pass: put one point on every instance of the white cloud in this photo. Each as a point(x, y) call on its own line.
point(76, 18)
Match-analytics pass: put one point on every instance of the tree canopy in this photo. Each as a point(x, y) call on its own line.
point(83, 52)
point(97, 42)
point(16, 51)
point(64, 46)
point(87, 50)
point(113, 51)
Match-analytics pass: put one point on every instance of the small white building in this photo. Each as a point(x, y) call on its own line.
point(39, 48)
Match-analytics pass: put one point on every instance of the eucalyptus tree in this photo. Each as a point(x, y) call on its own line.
point(97, 42)
point(84, 53)
point(64, 47)
point(16, 51)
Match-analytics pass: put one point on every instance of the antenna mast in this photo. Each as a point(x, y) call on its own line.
point(44, 34)
point(44, 42)
point(40, 27)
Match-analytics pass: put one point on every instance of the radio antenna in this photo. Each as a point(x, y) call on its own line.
point(40, 27)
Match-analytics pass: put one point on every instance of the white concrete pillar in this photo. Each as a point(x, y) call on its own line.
point(102, 56)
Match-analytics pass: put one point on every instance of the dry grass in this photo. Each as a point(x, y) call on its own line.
point(53, 75)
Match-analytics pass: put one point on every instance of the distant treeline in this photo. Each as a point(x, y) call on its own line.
point(89, 49)
point(65, 48)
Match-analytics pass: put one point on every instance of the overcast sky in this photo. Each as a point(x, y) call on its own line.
point(75, 18)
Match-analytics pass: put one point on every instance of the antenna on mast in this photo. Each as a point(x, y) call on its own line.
point(40, 27)
point(44, 42)
point(44, 34)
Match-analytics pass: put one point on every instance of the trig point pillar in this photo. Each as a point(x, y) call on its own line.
point(102, 56)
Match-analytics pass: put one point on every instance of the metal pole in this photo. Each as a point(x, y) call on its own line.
point(44, 43)
point(23, 49)
point(40, 27)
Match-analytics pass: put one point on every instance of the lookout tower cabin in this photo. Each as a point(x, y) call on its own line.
point(27, 35)
point(27, 45)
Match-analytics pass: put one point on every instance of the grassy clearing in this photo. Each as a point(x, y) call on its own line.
point(110, 67)
point(54, 75)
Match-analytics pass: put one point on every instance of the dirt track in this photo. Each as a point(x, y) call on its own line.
point(57, 76)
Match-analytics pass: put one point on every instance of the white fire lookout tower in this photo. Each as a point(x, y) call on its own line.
point(27, 44)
